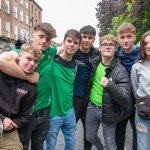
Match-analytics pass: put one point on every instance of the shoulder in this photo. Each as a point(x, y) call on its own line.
point(52, 50)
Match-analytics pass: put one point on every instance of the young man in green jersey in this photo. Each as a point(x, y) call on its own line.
point(62, 76)
point(37, 129)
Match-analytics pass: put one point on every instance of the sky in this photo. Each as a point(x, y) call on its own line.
point(69, 14)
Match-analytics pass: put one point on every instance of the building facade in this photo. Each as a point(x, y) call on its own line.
point(17, 17)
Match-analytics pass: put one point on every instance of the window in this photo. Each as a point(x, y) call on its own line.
point(7, 6)
point(8, 29)
point(27, 19)
point(21, 15)
point(32, 9)
point(21, 2)
point(16, 32)
point(26, 3)
point(0, 28)
point(0, 4)
point(15, 10)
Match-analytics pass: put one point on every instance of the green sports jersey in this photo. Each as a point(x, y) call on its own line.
point(62, 81)
point(43, 85)
point(96, 89)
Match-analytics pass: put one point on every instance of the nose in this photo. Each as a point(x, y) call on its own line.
point(148, 44)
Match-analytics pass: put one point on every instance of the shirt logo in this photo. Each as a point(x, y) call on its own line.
point(21, 91)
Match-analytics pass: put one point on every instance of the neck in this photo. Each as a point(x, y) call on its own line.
point(85, 50)
point(107, 60)
point(66, 56)
point(127, 51)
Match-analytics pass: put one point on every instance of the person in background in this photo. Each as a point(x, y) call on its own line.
point(128, 54)
point(140, 78)
point(17, 98)
point(37, 128)
point(109, 95)
point(83, 57)
point(62, 76)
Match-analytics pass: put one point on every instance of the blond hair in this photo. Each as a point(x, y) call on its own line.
point(108, 37)
point(126, 28)
point(31, 49)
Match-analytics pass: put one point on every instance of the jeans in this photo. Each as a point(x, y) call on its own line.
point(93, 120)
point(67, 124)
point(143, 133)
point(80, 112)
point(121, 132)
point(36, 130)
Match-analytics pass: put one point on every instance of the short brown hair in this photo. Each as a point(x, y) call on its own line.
point(142, 50)
point(108, 37)
point(31, 49)
point(125, 28)
point(74, 34)
point(47, 28)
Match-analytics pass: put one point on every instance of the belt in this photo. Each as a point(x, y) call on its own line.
point(44, 111)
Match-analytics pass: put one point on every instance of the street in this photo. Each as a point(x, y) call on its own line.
point(79, 138)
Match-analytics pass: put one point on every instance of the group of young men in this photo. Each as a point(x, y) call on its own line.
point(76, 81)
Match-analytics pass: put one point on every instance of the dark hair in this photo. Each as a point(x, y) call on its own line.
point(88, 30)
point(142, 50)
point(47, 28)
point(74, 34)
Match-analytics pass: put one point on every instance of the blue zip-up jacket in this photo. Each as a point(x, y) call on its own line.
point(129, 59)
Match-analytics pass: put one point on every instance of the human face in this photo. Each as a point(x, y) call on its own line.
point(126, 40)
point(108, 48)
point(87, 42)
point(147, 46)
point(40, 40)
point(28, 62)
point(71, 45)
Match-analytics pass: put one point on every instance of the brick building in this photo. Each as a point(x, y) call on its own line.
point(17, 17)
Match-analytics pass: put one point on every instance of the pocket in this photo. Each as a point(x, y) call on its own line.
point(143, 107)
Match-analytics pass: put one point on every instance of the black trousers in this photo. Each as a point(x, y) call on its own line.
point(80, 112)
point(121, 132)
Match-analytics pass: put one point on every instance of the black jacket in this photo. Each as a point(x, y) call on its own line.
point(117, 103)
point(16, 99)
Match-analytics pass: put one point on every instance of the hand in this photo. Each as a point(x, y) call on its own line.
point(104, 81)
point(9, 124)
point(33, 77)
point(60, 49)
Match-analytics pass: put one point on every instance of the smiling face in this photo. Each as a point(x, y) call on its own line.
point(126, 40)
point(147, 46)
point(41, 40)
point(71, 45)
point(28, 61)
point(108, 48)
point(87, 42)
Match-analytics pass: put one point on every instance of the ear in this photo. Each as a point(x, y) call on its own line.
point(134, 38)
point(32, 36)
point(99, 49)
point(19, 57)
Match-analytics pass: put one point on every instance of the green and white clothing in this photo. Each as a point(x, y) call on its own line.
point(43, 85)
point(63, 75)
point(96, 92)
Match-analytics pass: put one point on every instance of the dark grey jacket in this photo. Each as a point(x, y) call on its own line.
point(117, 103)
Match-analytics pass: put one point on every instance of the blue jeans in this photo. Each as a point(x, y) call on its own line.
point(36, 130)
point(93, 120)
point(68, 126)
point(143, 133)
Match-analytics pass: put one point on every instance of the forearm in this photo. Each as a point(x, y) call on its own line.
point(9, 66)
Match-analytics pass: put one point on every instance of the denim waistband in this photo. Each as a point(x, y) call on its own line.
point(44, 111)
point(94, 105)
